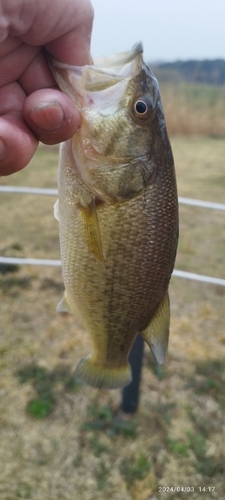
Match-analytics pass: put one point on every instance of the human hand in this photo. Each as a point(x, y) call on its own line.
point(31, 106)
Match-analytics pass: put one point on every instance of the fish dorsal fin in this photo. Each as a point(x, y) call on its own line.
point(92, 230)
point(56, 210)
point(63, 305)
point(157, 332)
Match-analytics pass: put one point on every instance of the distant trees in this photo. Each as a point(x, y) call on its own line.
point(206, 71)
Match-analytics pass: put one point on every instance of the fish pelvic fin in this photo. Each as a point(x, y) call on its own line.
point(157, 332)
point(63, 305)
point(56, 210)
point(92, 230)
point(101, 377)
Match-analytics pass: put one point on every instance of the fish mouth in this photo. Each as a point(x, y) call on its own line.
point(111, 70)
point(114, 63)
point(104, 73)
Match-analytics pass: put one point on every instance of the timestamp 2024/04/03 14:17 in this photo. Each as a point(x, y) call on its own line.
point(186, 489)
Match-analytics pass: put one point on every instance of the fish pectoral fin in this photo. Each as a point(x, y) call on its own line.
point(56, 210)
point(92, 230)
point(157, 332)
point(103, 377)
point(63, 305)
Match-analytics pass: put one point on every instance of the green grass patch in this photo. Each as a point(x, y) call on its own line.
point(209, 380)
point(45, 384)
point(97, 446)
point(24, 491)
point(104, 419)
point(210, 466)
point(197, 443)
point(158, 370)
point(135, 469)
point(102, 475)
point(8, 268)
point(40, 408)
point(178, 447)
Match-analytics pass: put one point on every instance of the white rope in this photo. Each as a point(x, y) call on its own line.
point(28, 190)
point(54, 192)
point(198, 277)
point(50, 262)
point(57, 263)
point(201, 203)
point(31, 262)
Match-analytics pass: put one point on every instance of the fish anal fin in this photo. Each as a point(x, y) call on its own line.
point(157, 332)
point(92, 230)
point(63, 305)
point(101, 377)
point(56, 210)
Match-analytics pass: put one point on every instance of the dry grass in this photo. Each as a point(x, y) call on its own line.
point(193, 109)
point(84, 448)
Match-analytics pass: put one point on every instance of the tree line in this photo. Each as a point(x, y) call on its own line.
point(206, 71)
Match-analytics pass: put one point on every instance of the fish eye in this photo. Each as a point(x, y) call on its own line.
point(142, 108)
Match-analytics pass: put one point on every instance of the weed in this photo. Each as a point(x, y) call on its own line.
point(52, 284)
point(97, 412)
point(202, 425)
point(157, 369)
point(97, 447)
point(39, 408)
point(31, 372)
point(103, 419)
point(126, 428)
point(197, 444)
point(211, 367)
point(102, 475)
point(44, 383)
point(210, 380)
point(210, 466)
point(179, 447)
point(98, 418)
point(165, 410)
point(13, 285)
point(135, 470)
point(8, 268)
point(24, 491)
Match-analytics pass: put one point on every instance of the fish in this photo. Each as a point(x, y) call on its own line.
point(117, 212)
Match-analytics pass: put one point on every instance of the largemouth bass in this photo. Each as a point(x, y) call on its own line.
point(118, 213)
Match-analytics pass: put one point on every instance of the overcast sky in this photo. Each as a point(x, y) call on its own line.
point(170, 29)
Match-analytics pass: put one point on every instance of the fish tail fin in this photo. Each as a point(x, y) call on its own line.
point(102, 377)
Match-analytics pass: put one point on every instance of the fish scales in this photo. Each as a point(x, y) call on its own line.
point(118, 216)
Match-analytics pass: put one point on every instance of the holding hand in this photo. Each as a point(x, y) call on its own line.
point(32, 108)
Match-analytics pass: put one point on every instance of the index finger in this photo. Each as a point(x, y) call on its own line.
point(64, 28)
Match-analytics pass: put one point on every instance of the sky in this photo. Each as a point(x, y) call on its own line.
point(169, 29)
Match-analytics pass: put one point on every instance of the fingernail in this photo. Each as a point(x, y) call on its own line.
point(3, 149)
point(48, 116)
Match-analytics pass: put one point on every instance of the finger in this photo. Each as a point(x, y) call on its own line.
point(17, 143)
point(15, 62)
point(52, 117)
point(37, 75)
point(73, 47)
point(12, 98)
point(64, 28)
